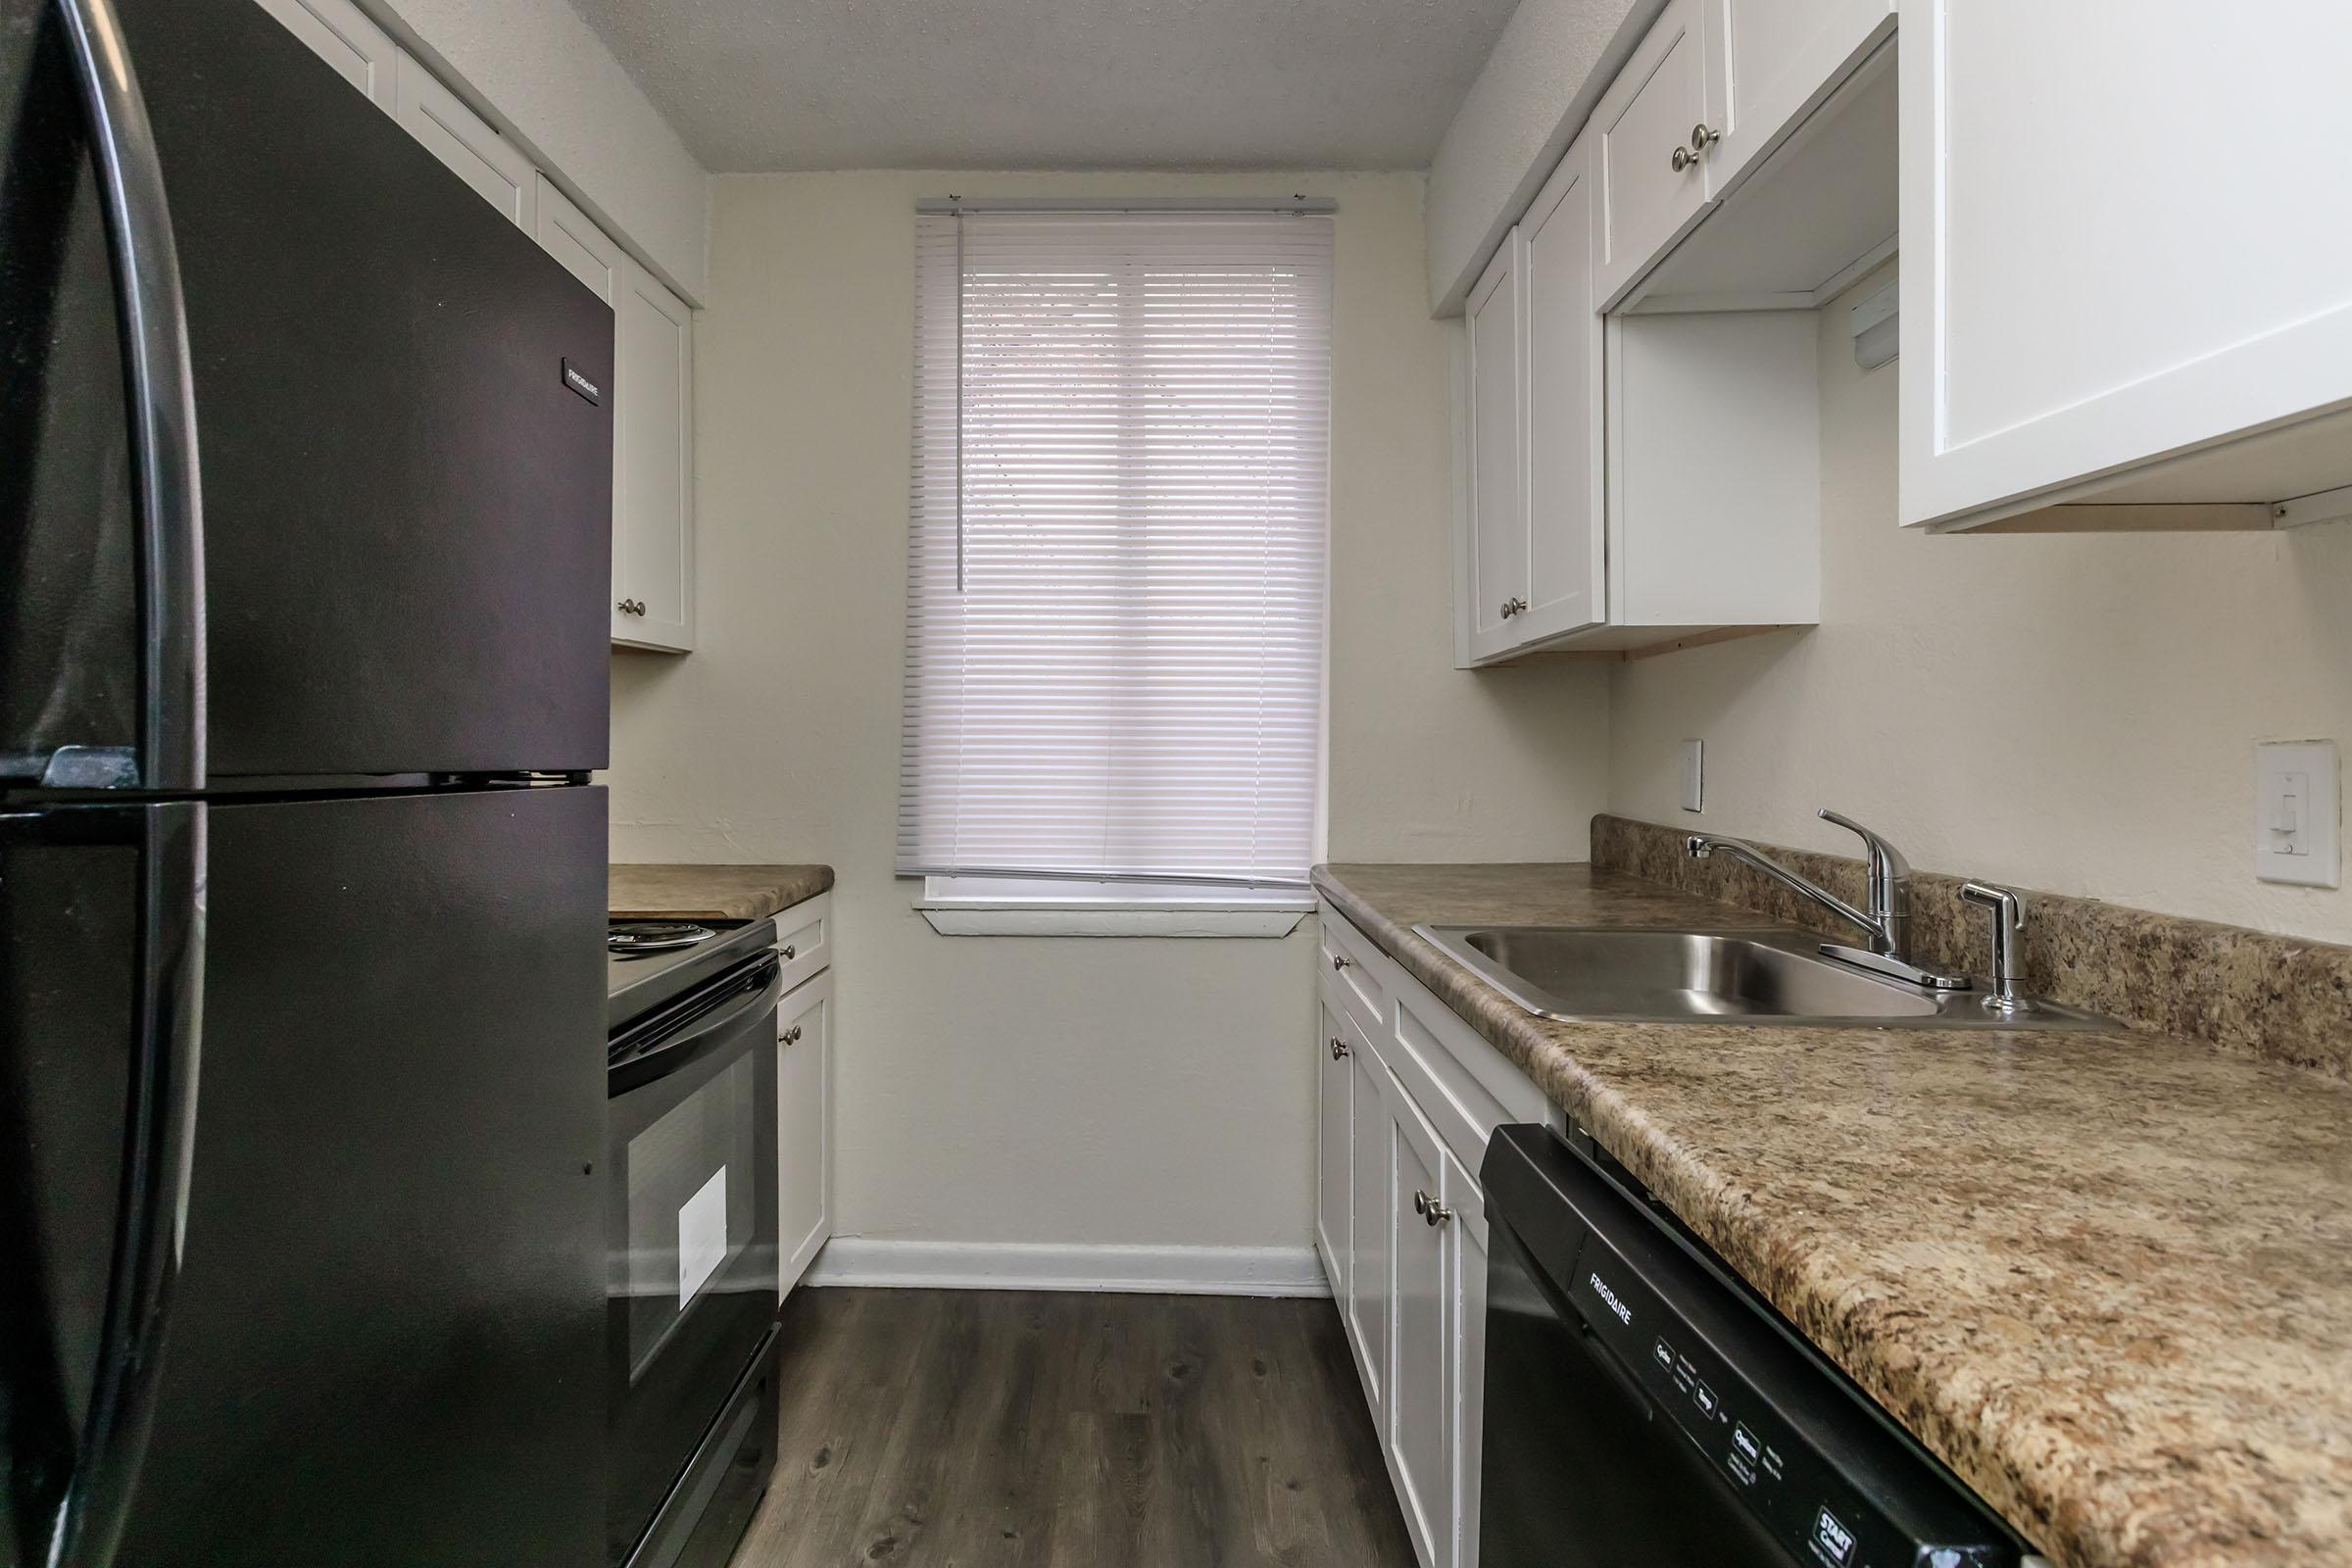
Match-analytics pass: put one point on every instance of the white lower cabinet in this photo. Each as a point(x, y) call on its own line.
point(1334, 1148)
point(1404, 1114)
point(1368, 1288)
point(804, 1127)
point(1418, 1431)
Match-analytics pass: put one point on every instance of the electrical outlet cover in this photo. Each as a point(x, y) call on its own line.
point(1694, 776)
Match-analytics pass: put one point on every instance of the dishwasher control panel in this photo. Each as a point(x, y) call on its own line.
point(1827, 1477)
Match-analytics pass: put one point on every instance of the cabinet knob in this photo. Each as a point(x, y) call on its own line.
point(1430, 1210)
point(1341, 961)
point(1702, 138)
point(1683, 159)
point(631, 606)
point(1513, 606)
point(790, 1037)
point(787, 952)
point(1420, 1203)
point(1339, 1047)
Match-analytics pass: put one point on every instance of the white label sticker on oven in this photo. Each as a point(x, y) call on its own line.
point(702, 1236)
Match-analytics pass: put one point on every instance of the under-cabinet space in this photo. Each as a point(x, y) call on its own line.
point(1687, 491)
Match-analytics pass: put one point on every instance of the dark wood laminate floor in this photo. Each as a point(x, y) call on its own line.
point(941, 1429)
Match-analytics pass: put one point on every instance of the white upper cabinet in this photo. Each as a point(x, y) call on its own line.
point(567, 234)
point(1566, 588)
point(652, 525)
point(1770, 62)
point(468, 144)
point(1496, 567)
point(1649, 149)
point(341, 34)
point(2126, 236)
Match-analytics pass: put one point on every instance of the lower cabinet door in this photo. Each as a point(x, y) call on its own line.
point(1334, 1148)
point(1468, 1226)
point(1418, 1428)
point(1369, 1192)
point(804, 1127)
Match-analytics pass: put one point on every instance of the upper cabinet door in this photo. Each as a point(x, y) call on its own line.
point(2124, 237)
point(1651, 152)
point(1770, 60)
point(341, 34)
point(1565, 512)
point(468, 144)
point(1496, 557)
point(653, 529)
point(567, 234)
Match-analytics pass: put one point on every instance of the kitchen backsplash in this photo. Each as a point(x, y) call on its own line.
point(2280, 998)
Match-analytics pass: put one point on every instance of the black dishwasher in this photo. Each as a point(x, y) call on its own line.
point(1642, 1408)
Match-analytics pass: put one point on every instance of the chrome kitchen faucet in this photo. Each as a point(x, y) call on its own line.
point(1886, 923)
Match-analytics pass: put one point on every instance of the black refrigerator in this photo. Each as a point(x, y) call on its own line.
point(304, 502)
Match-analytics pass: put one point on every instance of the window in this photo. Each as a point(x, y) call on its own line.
point(1115, 576)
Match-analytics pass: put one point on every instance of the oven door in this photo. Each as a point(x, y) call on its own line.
point(692, 1288)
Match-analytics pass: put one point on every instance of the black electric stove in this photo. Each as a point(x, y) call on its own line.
point(647, 962)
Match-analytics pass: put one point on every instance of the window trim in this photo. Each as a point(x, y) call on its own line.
point(1051, 907)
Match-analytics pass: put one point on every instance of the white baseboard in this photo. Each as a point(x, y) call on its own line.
point(1024, 1266)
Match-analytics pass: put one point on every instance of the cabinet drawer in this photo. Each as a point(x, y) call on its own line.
point(1653, 187)
point(1361, 972)
point(804, 938)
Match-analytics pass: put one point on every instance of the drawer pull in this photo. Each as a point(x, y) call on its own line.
point(1341, 961)
point(790, 1037)
point(788, 951)
point(1339, 1047)
point(1430, 1210)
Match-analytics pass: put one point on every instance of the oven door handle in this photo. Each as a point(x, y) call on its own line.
point(764, 988)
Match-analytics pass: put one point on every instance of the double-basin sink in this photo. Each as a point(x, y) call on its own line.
point(1767, 975)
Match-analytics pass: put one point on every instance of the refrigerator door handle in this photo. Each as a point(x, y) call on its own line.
point(162, 414)
point(151, 1222)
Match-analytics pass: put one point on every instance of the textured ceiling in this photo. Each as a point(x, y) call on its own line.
point(774, 84)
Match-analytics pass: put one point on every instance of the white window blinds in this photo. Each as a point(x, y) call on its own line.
point(1114, 600)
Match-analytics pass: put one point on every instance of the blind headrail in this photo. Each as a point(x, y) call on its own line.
point(1305, 206)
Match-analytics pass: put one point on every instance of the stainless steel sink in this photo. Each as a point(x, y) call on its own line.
point(1763, 976)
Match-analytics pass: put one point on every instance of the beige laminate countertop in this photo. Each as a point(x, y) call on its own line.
point(712, 892)
point(2106, 1277)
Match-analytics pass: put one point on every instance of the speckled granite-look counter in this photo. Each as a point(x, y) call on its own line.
point(2106, 1277)
point(712, 892)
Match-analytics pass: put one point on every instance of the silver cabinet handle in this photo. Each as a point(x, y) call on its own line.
point(787, 951)
point(1513, 606)
point(790, 1037)
point(1341, 961)
point(1430, 1210)
point(631, 606)
point(1339, 1047)
point(1702, 138)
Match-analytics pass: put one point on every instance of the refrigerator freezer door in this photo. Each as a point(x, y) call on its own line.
point(406, 511)
point(387, 1341)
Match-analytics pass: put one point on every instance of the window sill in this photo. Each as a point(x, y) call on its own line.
point(979, 917)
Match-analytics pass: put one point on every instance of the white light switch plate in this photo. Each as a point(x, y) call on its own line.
point(2298, 811)
point(1694, 775)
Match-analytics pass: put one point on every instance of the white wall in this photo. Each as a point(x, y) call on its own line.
point(548, 82)
point(1140, 1091)
point(2075, 713)
point(1538, 86)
